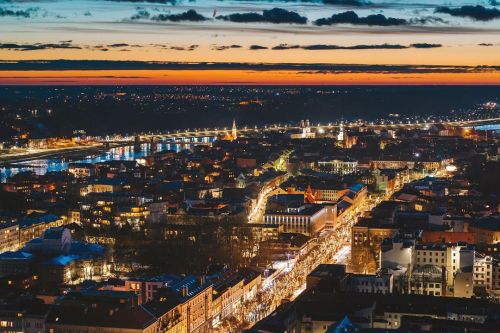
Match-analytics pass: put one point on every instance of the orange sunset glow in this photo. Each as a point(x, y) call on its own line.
point(236, 77)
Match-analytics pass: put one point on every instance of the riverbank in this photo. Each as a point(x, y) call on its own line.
point(69, 153)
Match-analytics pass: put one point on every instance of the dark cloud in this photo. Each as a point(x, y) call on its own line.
point(425, 46)
point(191, 15)
point(258, 47)
point(478, 13)
point(354, 3)
point(141, 14)
point(102, 48)
point(38, 46)
point(25, 13)
point(225, 47)
point(351, 17)
point(427, 20)
point(354, 47)
point(306, 68)
point(275, 15)
point(98, 47)
point(324, 47)
point(118, 45)
point(175, 47)
point(184, 48)
point(286, 47)
point(485, 44)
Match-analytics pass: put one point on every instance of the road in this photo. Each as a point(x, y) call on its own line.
point(290, 280)
point(257, 213)
point(343, 255)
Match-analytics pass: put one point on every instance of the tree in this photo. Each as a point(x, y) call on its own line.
point(362, 260)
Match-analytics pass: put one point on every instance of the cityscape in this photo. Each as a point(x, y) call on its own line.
point(258, 166)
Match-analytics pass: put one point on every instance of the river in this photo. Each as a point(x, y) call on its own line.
point(125, 153)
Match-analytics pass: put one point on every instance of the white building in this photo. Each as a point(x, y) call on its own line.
point(396, 257)
point(444, 256)
point(396, 254)
point(306, 219)
point(81, 170)
point(305, 131)
point(483, 273)
point(380, 283)
point(340, 166)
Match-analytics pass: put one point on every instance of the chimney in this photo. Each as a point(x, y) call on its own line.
point(202, 280)
point(184, 291)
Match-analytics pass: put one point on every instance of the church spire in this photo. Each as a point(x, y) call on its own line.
point(234, 131)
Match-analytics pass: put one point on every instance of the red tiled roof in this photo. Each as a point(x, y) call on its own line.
point(448, 237)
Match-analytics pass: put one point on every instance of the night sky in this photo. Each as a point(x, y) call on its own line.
point(253, 42)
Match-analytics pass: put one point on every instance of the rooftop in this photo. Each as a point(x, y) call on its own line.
point(37, 218)
point(101, 315)
point(488, 223)
point(193, 286)
point(15, 255)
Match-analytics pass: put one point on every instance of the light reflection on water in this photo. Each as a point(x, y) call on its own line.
point(491, 127)
point(126, 153)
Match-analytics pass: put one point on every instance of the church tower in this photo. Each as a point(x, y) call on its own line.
point(341, 135)
point(234, 131)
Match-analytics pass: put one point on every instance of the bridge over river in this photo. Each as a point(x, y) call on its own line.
point(205, 135)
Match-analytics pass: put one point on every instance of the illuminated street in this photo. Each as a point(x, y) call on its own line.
point(291, 279)
point(258, 211)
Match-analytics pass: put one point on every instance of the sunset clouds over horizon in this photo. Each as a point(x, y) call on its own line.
point(463, 37)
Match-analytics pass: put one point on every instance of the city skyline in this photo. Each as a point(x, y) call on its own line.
point(252, 42)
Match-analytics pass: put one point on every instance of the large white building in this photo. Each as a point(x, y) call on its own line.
point(397, 253)
point(306, 219)
point(341, 166)
point(444, 256)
